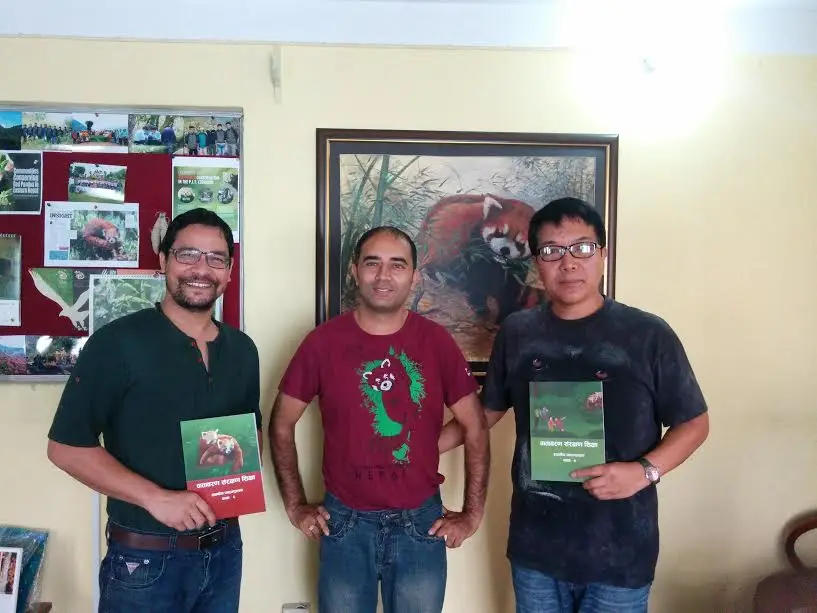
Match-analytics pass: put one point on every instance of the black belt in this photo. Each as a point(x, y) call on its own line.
point(199, 540)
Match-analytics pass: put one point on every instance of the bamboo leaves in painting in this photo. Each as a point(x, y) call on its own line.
point(378, 193)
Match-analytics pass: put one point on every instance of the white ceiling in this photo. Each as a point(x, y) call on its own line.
point(764, 26)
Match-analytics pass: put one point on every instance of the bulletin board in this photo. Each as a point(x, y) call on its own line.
point(75, 173)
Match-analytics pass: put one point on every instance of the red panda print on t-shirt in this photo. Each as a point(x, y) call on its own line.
point(382, 400)
point(393, 390)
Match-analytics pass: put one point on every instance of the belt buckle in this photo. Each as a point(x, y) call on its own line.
point(212, 537)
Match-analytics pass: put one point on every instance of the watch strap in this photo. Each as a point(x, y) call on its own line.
point(650, 468)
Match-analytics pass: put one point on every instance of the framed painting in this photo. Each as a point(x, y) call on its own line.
point(466, 199)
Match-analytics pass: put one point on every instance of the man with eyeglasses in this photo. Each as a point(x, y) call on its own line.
point(589, 544)
point(136, 378)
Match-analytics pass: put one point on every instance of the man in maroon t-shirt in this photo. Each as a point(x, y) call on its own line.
point(383, 376)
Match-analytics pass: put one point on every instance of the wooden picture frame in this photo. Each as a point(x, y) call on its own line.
point(491, 180)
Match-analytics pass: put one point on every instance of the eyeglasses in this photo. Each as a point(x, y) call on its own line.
point(581, 250)
point(192, 256)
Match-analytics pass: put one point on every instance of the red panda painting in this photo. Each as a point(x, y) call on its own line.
point(455, 221)
point(473, 240)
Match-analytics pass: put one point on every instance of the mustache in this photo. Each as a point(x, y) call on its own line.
point(197, 279)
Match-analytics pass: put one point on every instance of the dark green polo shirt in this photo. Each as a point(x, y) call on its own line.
point(135, 380)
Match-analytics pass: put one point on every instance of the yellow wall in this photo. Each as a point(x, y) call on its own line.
point(716, 228)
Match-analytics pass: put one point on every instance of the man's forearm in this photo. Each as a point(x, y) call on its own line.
point(477, 468)
point(679, 443)
point(99, 470)
point(285, 461)
point(452, 434)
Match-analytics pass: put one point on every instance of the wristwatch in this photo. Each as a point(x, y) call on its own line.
point(650, 471)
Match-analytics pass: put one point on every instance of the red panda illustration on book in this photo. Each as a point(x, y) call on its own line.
point(474, 242)
point(219, 449)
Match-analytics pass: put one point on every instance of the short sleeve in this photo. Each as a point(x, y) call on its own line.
point(679, 397)
point(495, 394)
point(93, 392)
point(301, 379)
point(457, 379)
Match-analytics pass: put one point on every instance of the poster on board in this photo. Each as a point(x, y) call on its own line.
point(96, 183)
point(114, 296)
point(11, 126)
point(10, 274)
point(85, 132)
point(21, 185)
point(91, 234)
point(210, 183)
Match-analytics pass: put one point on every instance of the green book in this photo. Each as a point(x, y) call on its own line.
point(566, 428)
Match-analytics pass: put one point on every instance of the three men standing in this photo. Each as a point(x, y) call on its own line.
point(383, 376)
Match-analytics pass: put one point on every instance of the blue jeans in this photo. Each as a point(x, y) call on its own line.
point(538, 593)
point(172, 581)
point(392, 548)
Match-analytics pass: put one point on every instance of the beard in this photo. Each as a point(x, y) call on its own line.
point(198, 304)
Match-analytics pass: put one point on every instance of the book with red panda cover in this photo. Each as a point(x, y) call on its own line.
point(222, 463)
point(566, 428)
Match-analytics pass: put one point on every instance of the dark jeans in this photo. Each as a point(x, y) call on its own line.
point(392, 548)
point(539, 593)
point(172, 581)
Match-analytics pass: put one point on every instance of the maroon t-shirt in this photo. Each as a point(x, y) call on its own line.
point(382, 401)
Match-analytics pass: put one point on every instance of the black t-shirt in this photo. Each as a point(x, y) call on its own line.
point(135, 379)
point(559, 528)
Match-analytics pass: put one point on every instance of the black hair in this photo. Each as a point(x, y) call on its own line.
point(556, 211)
point(390, 230)
point(198, 216)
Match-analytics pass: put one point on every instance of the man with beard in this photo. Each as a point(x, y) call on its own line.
point(384, 376)
point(134, 381)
